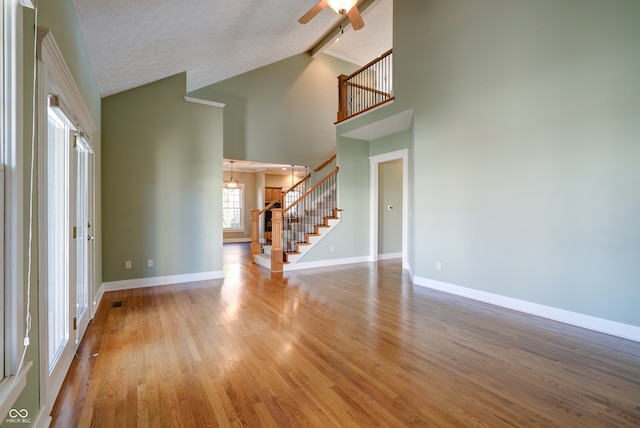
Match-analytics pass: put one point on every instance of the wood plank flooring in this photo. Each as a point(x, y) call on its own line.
point(348, 346)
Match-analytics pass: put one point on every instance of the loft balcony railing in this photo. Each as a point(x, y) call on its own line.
point(367, 88)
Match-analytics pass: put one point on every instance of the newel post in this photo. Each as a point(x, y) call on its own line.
point(255, 233)
point(342, 97)
point(276, 240)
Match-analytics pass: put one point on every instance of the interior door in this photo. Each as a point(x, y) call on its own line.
point(83, 235)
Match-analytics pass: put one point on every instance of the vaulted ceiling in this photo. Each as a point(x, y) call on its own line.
point(132, 43)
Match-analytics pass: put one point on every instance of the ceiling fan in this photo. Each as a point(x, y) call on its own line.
point(342, 7)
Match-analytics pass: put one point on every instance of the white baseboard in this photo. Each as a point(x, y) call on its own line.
point(390, 256)
point(235, 240)
point(614, 328)
point(159, 280)
point(409, 269)
point(97, 300)
point(43, 419)
point(324, 263)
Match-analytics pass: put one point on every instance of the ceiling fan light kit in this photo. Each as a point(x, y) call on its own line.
point(341, 6)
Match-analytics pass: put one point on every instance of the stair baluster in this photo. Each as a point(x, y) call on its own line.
point(295, 228)
point(308, 213)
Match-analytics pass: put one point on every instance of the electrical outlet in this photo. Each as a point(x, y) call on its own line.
point(127, 264)
point(150, 263)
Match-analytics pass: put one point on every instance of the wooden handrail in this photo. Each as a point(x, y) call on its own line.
point(325, 163)
point(364, 67)
point(334, 172)
point(279, 198)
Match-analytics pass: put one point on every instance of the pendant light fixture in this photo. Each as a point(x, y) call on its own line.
point(231, 183)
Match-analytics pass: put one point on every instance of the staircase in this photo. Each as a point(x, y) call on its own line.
point(297, 228)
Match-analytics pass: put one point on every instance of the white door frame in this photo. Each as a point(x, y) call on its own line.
point(374, 162)
point(86, 236)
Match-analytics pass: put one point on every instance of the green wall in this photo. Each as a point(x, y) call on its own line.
point(350, 238)
point(162, 175)
point(283, 112)
point(526, 131)
point(390, 143)
point(59, 17)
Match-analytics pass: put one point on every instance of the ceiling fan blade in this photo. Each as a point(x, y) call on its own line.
point(355, 18)
point(313, 12)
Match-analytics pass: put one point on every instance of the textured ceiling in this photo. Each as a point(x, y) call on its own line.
point(132, 43)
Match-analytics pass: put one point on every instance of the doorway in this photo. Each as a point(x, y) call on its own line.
point(377, 204)
point(390, 209)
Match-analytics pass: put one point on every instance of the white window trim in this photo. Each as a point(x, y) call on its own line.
point(242, 210)
point(13, 383)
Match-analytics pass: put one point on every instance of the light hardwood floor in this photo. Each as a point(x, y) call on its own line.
point(345, 346)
